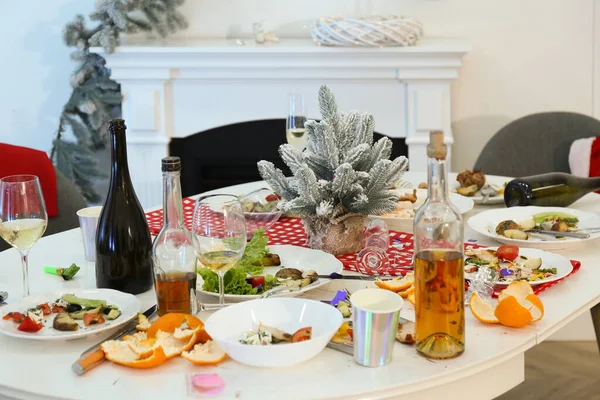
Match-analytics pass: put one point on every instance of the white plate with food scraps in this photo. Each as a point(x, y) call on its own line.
point(548, 261)
point(486, 223)
point(128, 304)
point(301, 258)
point(497, 181)
point(402, 218)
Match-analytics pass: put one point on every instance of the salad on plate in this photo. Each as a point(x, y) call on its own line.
point(508, 264)
point(549, 221)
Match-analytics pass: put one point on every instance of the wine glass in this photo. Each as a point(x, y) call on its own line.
point(296, 119)
point(219, 234)
point(23, 216)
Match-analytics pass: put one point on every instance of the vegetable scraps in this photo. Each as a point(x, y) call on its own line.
point(250, 264)
point(66, 273)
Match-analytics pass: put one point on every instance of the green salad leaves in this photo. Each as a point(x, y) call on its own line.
point(235, 279)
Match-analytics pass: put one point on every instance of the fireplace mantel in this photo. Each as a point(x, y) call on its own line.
point(176, 88)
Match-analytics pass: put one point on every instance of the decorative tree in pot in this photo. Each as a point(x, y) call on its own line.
point(339, 179)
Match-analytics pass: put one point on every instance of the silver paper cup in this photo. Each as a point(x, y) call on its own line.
point(88, 219)
point(375, 321)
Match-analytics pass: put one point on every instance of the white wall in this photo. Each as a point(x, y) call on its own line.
point(528, 56)
point(35, 68)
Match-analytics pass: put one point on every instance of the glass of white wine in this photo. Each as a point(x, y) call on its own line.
point(296, 119)
point(219, 235)
point(23, 216)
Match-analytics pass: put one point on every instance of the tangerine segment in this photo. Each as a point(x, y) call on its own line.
point(119, 352)
point(205, 354)
point(510, 312)
point(483, 311)
point(172, 346)
point(171, 321)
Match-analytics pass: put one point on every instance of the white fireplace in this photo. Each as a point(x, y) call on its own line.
point(177, 88)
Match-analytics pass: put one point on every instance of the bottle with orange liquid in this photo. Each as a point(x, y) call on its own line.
point(439, 279)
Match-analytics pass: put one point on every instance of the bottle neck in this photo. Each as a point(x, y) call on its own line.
point(119, 168)
point(437, 179)
point(172, 200)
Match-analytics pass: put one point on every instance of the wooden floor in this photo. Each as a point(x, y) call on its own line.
point(559, 370)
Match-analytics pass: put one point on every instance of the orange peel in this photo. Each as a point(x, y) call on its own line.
point(208, 353)
point(397, 284)
point(172, 346)
point(118, 351)
point(169, 322)
point(482, 310)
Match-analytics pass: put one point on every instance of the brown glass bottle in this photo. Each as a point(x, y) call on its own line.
point(554, 189)
point(123, 242)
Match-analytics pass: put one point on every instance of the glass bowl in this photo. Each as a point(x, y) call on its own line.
point(260, 209)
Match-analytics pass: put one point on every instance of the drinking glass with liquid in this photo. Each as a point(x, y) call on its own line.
point(173, 250)
point(295, 132)
point(23, 216)
point(439, 279)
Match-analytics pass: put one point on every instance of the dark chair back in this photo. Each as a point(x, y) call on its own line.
point(535, 144)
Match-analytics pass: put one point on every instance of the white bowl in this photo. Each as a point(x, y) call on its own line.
point(227, 327)
point(464, 205)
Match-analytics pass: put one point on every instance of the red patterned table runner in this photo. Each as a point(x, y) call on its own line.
point(291, 231)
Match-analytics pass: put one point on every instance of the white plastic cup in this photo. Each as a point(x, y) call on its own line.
point(88, 220)
point(374, 325)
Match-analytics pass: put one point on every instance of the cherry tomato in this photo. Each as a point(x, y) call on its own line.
point(45, 307)
point(273, 197)
point(28, 325)
point(15, 316)
point(508, 253)
point(92, 319)
point(257, 281)
point(56, 308)
point(302, 334)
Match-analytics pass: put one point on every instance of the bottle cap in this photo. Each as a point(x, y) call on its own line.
point(436, 147)
point(171, 164)
point(116, 125)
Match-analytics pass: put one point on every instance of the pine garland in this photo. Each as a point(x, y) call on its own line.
point(341, 172)
point(96, 98)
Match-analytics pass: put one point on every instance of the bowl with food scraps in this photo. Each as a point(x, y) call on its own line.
point(260, 210)
point(275, 332)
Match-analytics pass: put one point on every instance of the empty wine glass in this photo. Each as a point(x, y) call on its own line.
point(295, 132)
point(219, 234)
point(23, 216)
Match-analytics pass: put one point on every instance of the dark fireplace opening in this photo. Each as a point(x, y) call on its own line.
point(227, 155)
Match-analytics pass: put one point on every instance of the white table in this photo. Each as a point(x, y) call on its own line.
point(492, 363)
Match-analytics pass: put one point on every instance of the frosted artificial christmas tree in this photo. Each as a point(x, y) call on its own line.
point(339, 179)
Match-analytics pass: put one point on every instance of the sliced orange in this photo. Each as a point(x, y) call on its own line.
point(411, 298)
point(205, 354)
point(408, 291)
point(482, 310)
point(172, 346)
point(118, 351)
point(171, 321)
point(397, 284)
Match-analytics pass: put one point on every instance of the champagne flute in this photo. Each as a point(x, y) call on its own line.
point(23, 216)
point(219, 235)
point(295, 132)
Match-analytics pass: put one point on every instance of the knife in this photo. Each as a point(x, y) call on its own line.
point(94, 355)
point(555, 233)
point(335, 275)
